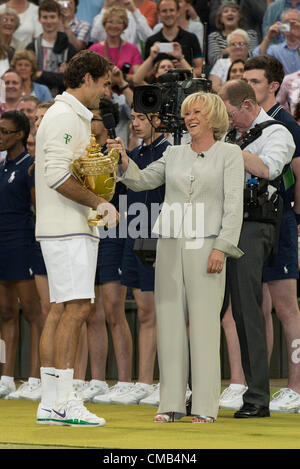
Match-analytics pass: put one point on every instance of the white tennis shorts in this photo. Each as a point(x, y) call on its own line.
point(71, 268)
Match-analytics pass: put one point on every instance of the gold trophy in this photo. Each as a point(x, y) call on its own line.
point(97, 172)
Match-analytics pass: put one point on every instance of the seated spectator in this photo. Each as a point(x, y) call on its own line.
point(28, 105)
point(78, 31)
point(114, 48)
point(6, 54)
point(273, 14)
point(228, 18)
point(172, 33)
point(185, 21)
point(24, 62)
point(52, 48)
point(138, 29)
point(10, 21)
point(289, 93)
point(28, 14)
point(13, 89)
point(238, 42)
point(287, 52)
point(236, 70)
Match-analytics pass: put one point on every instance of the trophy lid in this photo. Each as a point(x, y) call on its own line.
point(93, 149)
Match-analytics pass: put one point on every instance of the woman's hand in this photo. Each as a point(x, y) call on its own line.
point(119, 145)
point(215, 262)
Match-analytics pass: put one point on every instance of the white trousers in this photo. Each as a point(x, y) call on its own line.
point(183, 288)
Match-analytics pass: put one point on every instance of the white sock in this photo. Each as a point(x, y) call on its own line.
point(96, 382)
point(7, 379)
point(48, 381)
point(237, 386)
point(64, 385)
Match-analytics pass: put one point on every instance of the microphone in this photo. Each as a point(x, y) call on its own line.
point(110, 124)
point(201, 154)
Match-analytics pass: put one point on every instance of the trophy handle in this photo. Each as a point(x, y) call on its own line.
point(75, 166)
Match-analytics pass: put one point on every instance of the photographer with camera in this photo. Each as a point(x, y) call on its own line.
point(287, 51)
point(190, 265)
point(264, 158)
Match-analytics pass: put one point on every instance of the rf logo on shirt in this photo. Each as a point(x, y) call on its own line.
point(67, 138)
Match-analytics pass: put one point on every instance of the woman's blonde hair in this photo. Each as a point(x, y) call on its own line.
point(26, 55)
point(116, 11)
point(214, 111)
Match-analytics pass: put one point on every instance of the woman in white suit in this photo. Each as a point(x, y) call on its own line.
point(199, 226)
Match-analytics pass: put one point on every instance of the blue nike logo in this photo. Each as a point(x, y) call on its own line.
point(52, 374)
point(59, 414)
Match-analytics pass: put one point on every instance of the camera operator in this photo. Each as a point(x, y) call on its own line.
point(264, 160)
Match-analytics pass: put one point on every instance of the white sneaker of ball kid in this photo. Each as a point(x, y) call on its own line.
point(112, 392)
point(285, 400)
point(73, 413)
point(153, 398)
point(33, 390)
point(94, 388)
point(15, 395)
point(6, 388)
point(134, 395)
point(232, 397)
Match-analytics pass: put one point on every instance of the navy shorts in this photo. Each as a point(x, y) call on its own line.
point(39, 267)
point(109, 263)
point(17, 261)
point(285, 263)
point(135, 274)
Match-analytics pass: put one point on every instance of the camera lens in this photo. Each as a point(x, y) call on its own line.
point(147, 99)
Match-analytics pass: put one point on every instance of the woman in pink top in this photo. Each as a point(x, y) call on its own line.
point(114, 48)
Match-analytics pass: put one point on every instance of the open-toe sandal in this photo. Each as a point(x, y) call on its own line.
point(203, 419)
point(164, 418)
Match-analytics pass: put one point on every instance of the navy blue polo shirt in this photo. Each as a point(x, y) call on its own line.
point(143, 155)
point(16, 216)
point(280, 114)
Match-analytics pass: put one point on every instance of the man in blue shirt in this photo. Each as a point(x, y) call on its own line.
point(274, 11)
point(287, 52)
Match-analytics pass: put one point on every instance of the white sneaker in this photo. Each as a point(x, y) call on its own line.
point(32, 392)
point(79, 386)
point(285, 400)
point(74, 414)
point(112, 392)
point(44, 415)
point(133, 395)
point(15, 395)
point(6, 389)
point(232, 397)
point(153, 398)
point(94, 388)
